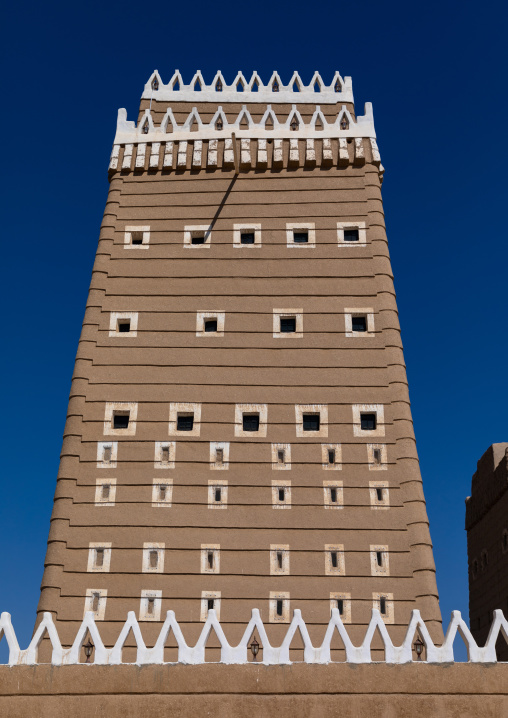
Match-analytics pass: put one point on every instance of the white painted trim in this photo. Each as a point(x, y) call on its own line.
point(309, 226)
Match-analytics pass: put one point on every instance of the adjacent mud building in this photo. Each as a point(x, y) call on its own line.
point(239, 432)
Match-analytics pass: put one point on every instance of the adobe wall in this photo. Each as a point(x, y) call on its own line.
point(244, 691)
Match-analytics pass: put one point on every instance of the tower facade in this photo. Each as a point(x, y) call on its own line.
point(239, 433)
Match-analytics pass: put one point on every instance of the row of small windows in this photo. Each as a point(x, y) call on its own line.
point(281, 492)
point(483, 563)
point(287, 323)
point(300, 234)
point(185, 419)
point(165, 453)
point(100, 554)
point(278, 609)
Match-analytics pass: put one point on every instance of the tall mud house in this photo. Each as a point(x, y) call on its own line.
point(239, 433)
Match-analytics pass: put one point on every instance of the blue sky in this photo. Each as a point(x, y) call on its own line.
point(436, 74)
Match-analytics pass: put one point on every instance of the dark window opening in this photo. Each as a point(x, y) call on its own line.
point(282, 493)
point(120, 421)
point(311, 422)
point(281, 456)
point(185, 422)
point(505, 541)
point(351, 235)
point(198, 239)
point(105, 491)
point(210, 325)
point(210, 559)
point(331, 456)
point(287, 325)
point(165, 454)
point(99, 557)
point(334, 560)
point(162, 492)
point(106, 456)
point(333, 494)
point(340, 605)
point(382, 605)
point(368, 422)
point(379, 494)
point(251, 422)
point(279, 607)
point(279, 560)
point(359, 324)
point(379, 558)
point(218, 493)
point(124, 326)
point(154, 558)
point(247, 238)
point(219, 455)
point(150, 606)
point(95, 602)
point(377, 456)
point(300, 237)
point(211, 603)
point(137, 238)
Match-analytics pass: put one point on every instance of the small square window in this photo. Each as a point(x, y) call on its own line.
point(281, 494)
point(368, 422)
point(162, 493)
point(219, 455)
point(198, 239)
point(351, 235)
point(150, 606)
point(341, 602)
point(122, 323)
point(217, 494)
point(287, 325)
point(300, 237)
point(136, 237)
point(210, 325)
point(250, 422)
point(279, 607)
point(210, 601)
point(120, 420)
point(105, 492)
point(153, 558)
point(331, 457)
point(333, 494)
point(311, 422)
point(247, 237)
point(197, 236)
point(185, 422)
point(359, 324)
point(124, 326)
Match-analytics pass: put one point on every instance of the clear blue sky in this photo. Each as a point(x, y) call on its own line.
point(436, 73)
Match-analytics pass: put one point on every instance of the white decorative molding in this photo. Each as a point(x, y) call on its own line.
point(269, 655)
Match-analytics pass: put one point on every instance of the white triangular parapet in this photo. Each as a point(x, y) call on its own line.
point(241, 90)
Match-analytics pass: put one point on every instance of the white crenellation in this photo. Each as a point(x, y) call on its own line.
point(343, 152)
point(327, 151)
point(238, 654)
point(113, 162)
point(212, 153)
point(278, 153)
point(359, 151)
point(310, 152)
point(197, 154)
point(294, 154)
point(181, 160)
point(127, 157)
point(242, 90)
point(262, 160)
point(154, 155)
point(168, 155)
point(229, 155)
point(140, 155)
point(245, 156)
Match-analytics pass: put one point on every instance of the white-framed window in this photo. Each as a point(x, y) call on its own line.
point(210, 324)
point(377, 457)
point(210, 558)
point(359, 322)
point(333, 494)
point(279, 560)
point(351, 234)
point(120, 418)
point(246, 235)
point(153, 558)
point(197, 236)
point(341, 602)
point(164, 455)
point(335, 564)
point(281, 457)
point(107, 454)
point(281, 494)
point(311, 420)
point(99, 557)
point(217, 494)
point(210, 600)
point(288, 323)
point(384, 604)
point(301, 234)
point(251, 420)
point(219, 455)
point(379, 560)
point(123, 324)
point(162, 493)
point(136, 237)
point(150, 605)
point(279, 607)
point(105, 492)
point(184, 419)
point(368, 420)
point(331, 457)
point(95, 601)
point(379, 494)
